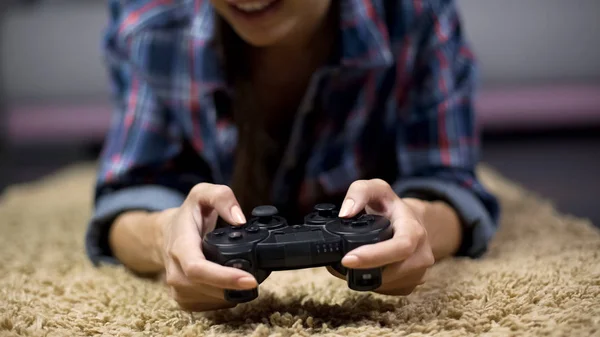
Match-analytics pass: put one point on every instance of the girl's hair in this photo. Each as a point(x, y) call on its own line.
point(252, 175)
point(259, 151)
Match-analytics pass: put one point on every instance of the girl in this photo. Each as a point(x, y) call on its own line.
point(224, 105)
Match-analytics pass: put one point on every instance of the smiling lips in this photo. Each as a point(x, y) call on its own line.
point(251, 6)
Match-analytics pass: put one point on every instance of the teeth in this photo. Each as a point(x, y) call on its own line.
point(253, 6)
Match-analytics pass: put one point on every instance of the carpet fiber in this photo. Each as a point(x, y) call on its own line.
point(541, 277)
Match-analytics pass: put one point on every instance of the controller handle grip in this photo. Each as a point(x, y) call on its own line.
point(241, 296)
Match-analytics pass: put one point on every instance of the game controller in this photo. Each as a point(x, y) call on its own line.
point(268, 243)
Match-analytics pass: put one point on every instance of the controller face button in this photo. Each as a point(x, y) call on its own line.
point(237, 228)
point(252, 229)
point(235, 236)
point(218, 232)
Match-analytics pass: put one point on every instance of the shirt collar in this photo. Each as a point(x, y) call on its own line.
point(364, 36)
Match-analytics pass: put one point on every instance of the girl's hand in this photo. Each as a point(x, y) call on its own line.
point(197, 284)
point(406, 256)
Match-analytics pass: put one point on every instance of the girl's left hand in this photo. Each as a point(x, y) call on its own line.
point(406, 256)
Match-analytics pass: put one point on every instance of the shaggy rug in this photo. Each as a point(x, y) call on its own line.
point(541, 277)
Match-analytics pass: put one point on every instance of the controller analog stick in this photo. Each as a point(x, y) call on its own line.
point(265, 213)
point(325, 210)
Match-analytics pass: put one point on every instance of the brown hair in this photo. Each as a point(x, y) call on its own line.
point(251, 179)
point(262, 135)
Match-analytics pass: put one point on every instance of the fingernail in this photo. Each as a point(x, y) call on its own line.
point(237, 214)
point(247, 282)
point(350, 261)
point(346, 207)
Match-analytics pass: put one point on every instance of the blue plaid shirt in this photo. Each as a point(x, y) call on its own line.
point(400, 96)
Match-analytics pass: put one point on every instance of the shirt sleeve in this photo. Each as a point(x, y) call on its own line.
point(144, 164)
point(437, 140)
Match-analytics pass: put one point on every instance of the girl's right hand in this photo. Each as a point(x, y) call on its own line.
point(195, 283)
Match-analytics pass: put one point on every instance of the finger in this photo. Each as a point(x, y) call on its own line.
point(408, 235)
point(183, 290)
point(397, 291)
point(185, 251)
point(380, 254)
point(197, 295)
point(376, 194)
point(400, 270)
point(403, 286)
point(221, 199)
point(206, 272)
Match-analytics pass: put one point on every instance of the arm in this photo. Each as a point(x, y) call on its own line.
point(437, 141)
point(437, 206)
point(144, 168)
point(136, 239)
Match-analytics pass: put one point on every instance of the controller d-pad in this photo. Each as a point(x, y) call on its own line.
point(252, 229)
point(359, 223)
point(367, 217)
point(235, 235)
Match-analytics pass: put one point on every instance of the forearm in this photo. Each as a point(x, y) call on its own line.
point(442, 224)
point(136, 240)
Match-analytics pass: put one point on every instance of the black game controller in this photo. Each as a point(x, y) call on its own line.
point(267, 243)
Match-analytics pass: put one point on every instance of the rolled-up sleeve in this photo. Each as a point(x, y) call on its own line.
point(437, 139)
point(144, 164)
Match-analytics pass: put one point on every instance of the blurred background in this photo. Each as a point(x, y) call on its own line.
point(539, 103)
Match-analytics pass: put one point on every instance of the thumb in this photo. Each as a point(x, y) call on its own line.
point(375, 194)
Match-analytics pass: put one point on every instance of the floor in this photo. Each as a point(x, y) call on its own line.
point(563, 167)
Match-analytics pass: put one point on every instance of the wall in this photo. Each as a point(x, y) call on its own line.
point(51, 51)
point(530, 41)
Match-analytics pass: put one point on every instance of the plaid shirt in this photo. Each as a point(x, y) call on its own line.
point(400, 96)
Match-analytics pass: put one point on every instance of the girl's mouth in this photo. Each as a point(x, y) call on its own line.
point(252, 9)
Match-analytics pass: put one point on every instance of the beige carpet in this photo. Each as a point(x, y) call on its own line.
point(542, 277)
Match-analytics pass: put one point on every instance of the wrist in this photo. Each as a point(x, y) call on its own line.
point(161, 221)
point(442, 223)
point(136, 239)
